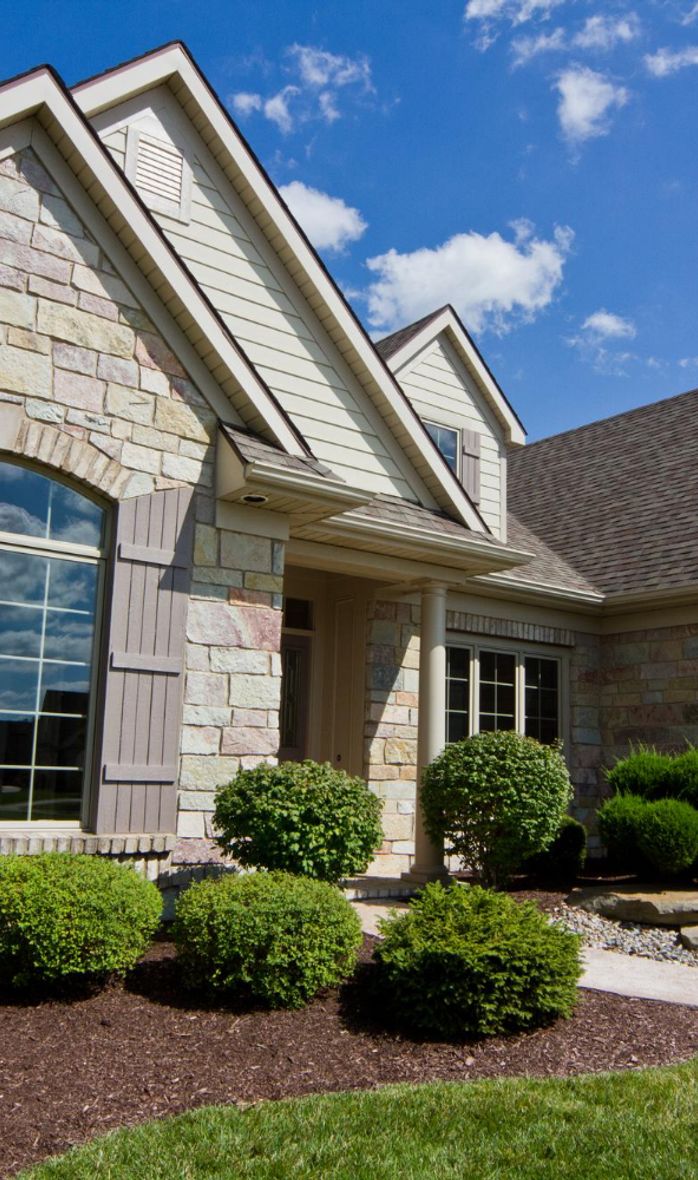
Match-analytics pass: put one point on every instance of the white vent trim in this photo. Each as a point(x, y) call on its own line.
point(160, 173)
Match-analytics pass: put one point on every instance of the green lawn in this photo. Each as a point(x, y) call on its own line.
point(633, 1126)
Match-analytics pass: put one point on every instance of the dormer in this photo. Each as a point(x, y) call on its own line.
point(462, 407)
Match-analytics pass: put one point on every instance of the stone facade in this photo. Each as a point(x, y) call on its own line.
point(89, 387)
point(390, 730)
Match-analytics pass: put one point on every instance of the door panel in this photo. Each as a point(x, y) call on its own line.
point(295, 692)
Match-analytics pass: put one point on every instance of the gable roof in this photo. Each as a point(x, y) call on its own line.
point(400, 348)
point(172, 65)
point(617, 499)
point(61, 131)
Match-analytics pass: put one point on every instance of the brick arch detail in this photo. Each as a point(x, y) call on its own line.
point(81, 461)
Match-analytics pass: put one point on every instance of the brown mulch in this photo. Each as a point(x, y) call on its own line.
point(70, 1070)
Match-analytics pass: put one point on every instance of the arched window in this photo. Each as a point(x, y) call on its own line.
point(51, 548)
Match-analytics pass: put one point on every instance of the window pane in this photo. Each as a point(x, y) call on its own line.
point(24, 497)
point(447, 442)
point(20, 631)
point(542, 699)
point(19, 680)
point(64, 688)
point(457, 728)
point(57, 794)
point(22, 577)
point(497, 690)
point(68, 636)
point(14, 794)
point(16, 739)
point(457, 693)
point(75, 518)
point(60, 741)
point(72, 585)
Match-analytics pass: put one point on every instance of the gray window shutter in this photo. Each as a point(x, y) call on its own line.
point(145, 649)
point(471, 464)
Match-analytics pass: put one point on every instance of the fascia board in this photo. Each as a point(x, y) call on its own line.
point(29, 96)
point(540, 590)
point(438, 547)
point(448, 322)
point(98, 94)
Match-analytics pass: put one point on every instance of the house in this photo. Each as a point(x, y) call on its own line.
point(232, 528)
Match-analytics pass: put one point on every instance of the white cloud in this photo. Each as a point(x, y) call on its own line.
point(328, 221)
point(688, 362)
point(605, 32)
point(491, 14)
point(668, 61)
point(277, 109)
point(689, 17)
point(586, 101)
point(606, 325)
point(526, 48)
point(595, 342)
point(319, 68)
point(244, 103)
point(492, 282)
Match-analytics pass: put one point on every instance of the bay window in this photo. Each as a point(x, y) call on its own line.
point(492, 688)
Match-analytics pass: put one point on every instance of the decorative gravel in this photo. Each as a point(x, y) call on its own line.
point(630, 938)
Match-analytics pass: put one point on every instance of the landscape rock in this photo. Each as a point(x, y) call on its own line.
point(651, 905)
point(689, 937)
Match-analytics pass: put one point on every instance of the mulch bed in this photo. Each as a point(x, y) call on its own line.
point(73, 1070)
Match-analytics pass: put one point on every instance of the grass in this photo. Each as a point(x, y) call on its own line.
point(632, 1126)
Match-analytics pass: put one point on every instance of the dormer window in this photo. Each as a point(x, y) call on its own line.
point(160, 173)
point(447, 439)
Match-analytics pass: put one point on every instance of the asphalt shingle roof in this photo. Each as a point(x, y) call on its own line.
point(617, 500)
point(393, 343)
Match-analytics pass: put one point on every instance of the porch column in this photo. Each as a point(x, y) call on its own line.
point(428, 862)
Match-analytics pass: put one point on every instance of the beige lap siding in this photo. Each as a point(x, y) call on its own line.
point(90, 388)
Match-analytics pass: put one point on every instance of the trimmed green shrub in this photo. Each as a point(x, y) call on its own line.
point(270, 937)
point(467, 960)
point(667, 835)
point(68, 918)
point(644, 772)
point(683, 776)
point(300, 817)
point(619, 820)
point(563, 860)
point(496, 798)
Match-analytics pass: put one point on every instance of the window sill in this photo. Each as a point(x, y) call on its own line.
point(24, 842)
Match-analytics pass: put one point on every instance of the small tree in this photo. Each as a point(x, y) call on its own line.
point(299, 817)
point(496, 798)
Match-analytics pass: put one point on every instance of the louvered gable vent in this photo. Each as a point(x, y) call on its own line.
point(160, 173)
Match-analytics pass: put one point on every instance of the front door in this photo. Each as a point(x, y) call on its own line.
point(295, 692)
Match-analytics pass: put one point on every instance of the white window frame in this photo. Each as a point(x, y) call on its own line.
point(459, 443)
point(84, 554)
point(476, 645)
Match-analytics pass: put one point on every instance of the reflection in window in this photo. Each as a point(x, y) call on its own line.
point(541, 709)
point(48, 598)
point(457, 693)
point(497, 690)
point(446, 440)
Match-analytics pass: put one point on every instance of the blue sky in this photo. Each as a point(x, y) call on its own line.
point(533, 162)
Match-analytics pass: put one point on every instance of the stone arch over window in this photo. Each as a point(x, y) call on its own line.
point(52, 556)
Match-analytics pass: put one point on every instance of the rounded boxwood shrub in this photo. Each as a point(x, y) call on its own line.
point(496, 798)
point(467, 960)
point(271, 937)
point(301, 817)
point(619, 820)
point(667, 835)
point(70, 918)
point(563, 860)
point(683, 776)
point(645, 772)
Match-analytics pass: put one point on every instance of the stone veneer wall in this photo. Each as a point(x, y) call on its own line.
point(390, 730)
point(584, 757)
point(89, 387)
point(649, 689)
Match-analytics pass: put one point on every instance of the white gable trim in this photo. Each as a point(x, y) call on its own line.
point(173, 65)
point(448, 322)
point(40, 94)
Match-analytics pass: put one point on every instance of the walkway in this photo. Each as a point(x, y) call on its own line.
point(605, 971)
